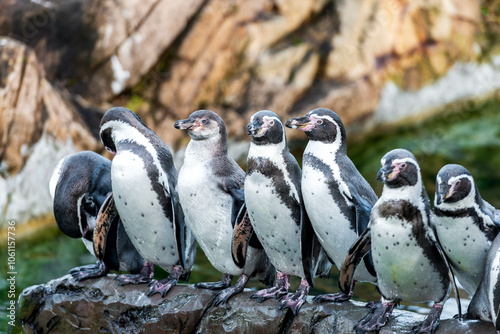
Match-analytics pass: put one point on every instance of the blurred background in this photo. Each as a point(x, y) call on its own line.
point(421, 75)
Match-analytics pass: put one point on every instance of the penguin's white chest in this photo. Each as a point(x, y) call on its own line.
point(151, 232)
point(403, 271)
point(331, 225)
point(207, 210)
point(466, 247)
point(272, 220)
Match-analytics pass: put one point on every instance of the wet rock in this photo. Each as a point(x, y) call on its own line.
point(100, 305)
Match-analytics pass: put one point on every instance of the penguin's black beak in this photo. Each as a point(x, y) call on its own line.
point(184, 124)
point(297, 122)
point(384, 172)
point(254, 128)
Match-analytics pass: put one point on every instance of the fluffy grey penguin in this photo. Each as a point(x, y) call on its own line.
point(410, 264)
point(337, 198)
point(465, 224)
point(485, 304)
point(79, 186)
point(144, 181)
point(210, 188)
point(274, 203)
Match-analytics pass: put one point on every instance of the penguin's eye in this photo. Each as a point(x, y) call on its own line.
point(204, 121)
point(271, 122)
point(457, 183)
point(402, 166)
point(319, 121)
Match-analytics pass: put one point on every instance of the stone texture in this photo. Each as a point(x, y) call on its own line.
point(37, 122)
point(100, 305)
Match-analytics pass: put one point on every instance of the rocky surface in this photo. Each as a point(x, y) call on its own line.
point(102, 306)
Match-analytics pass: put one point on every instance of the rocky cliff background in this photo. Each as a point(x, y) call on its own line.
point(377, 63)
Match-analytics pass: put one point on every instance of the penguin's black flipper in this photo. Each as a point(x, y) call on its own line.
point(242, 233)
point(451, 274)
point(238, 208)
point(105, 217)
point(179, 226)
point(354, 256)
point(363, 212)
point(309, 243)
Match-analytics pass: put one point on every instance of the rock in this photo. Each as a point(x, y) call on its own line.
point(38, 126)
point(100, 305)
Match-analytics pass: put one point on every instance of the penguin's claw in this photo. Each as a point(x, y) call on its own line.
point(144, 276)
point(162, 286)
point(89, 271)
point(336, 298)
point(274, 292)
point(294, 301)
point(223, 295)
point(430, 323)
point(376, 319)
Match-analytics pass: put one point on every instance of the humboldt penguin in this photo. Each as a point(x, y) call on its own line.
point(144, 182)
point(210, 188)
point(409, 263)
point(465, 224)
point(79, 186)
point(276, 209)
point(485, 304)
point(337, 198)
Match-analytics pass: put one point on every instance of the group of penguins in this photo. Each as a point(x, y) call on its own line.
point(276, 220)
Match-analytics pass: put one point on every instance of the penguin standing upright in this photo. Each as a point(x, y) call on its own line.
point(485, 304)
point(465, 224)
point(79, 186)
point(144, 181)
point(211, 194)
point(337, 198)
point(274, 203)
point(410, 264)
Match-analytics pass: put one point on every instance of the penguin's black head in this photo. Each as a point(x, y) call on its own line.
point(399, 169)
point(321, 124)
point(453, 183)
point(203, 124)
point(266, 128)
point(117, 119)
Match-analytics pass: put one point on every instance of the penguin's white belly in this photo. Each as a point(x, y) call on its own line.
point(140, 211)
point(332, 227)
point(403, 271)
point(276, 229)
point(208, 212)
point(466, 247)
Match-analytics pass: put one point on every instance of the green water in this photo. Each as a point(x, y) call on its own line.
point(470, 137)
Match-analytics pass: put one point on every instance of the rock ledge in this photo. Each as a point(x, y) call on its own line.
point(100, 305)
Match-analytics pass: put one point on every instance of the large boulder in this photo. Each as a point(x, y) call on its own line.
point(101, 306)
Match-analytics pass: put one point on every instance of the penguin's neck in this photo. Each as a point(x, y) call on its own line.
point(413, 194)
point(267, 151)
point(202, 151)
point(322, 150)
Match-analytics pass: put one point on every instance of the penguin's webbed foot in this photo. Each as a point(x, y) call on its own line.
point(144, 276)
point(431, 321)
point(89, 271)
point(166, 284)
point(222, 296)
point(336, 297)
point(277, 291)
point(225, 282)
point(295, 301)
point(376, 319)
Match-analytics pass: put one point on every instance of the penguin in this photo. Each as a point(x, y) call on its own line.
point(210, 188)
point(144, 182)
point(79, 186)
point(337, 198)
point(485, 305)
point(465, 224)
point(276, 210)
point(409, 263)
